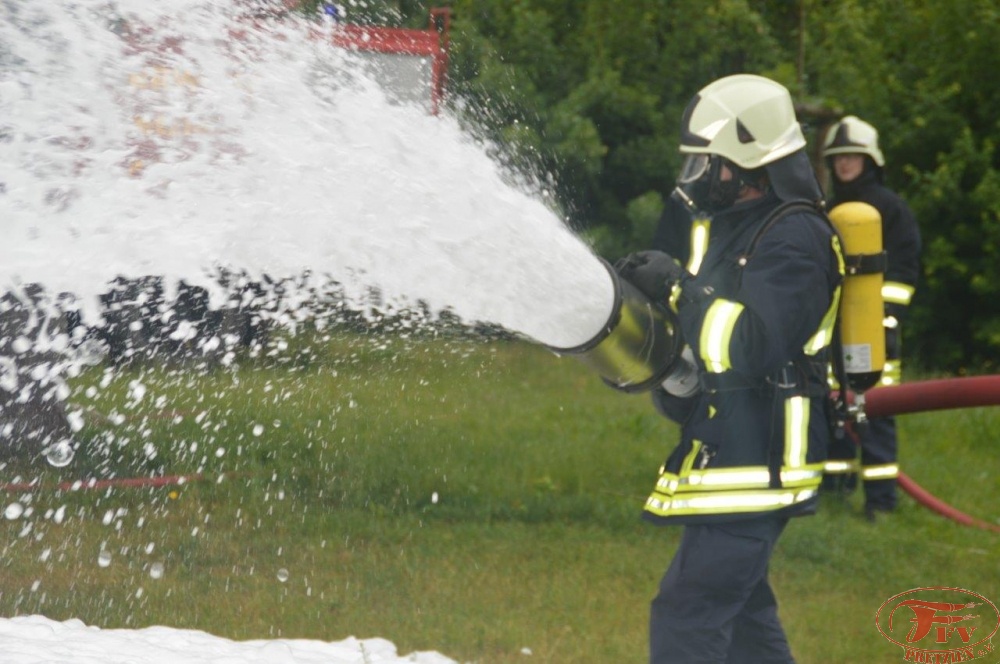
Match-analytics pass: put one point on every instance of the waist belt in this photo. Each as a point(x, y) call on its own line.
point(793, 378)
point(728, 381)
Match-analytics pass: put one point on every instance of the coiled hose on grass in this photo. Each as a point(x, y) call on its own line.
point(927, 395)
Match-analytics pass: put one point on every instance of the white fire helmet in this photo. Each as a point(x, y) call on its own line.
point(853, 136)
point(748, 119)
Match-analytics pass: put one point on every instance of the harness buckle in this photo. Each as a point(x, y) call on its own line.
point(785, 378)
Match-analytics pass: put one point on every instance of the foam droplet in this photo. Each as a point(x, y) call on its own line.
point(60, 454)
point(13, 511)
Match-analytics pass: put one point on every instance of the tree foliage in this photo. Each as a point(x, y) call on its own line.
point(587, 95)
point(919, 70)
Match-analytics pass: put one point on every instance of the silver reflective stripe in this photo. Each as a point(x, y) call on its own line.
point(699, 243)
point(753, 477)
point(836, 467)
point(883, 472)
point(796, 430)
point(757, 501)
point(897, 292)
point(801, 475)
point(716, 332)
point(892, 373)
point(719, 478)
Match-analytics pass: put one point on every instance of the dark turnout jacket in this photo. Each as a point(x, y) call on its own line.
point(759, 318)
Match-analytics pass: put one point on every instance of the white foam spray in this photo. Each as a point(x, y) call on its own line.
point(173, 138)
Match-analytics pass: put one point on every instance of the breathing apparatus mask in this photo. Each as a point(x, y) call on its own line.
point(700, 186)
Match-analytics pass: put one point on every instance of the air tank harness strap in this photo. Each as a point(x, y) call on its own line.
point(856, 264)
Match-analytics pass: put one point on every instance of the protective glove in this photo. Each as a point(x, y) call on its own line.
point(655, 273)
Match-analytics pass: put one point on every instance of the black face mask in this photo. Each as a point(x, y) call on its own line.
point(693, 183)
point(700, 188)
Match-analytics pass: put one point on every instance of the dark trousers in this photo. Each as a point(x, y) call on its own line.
point(878, 439)
point(715, 605)
point(878, 447)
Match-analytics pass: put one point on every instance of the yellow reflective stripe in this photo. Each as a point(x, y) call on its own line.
point(839, 467)
point(688, 462)
point(897, 292)
point(666, 485)
point(796, 430)
point(882, 472)
point(745, 477)
point(838, 251)
point(831, 379)
point(668, 482)
point(716, 332)
point(892, 373)
point(699, 243)
point(824, 335)
point(804, 475)
point(675, 295)
point(730, 502)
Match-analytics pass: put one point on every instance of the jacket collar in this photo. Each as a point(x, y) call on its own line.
point(747, 209)
point(849, 191)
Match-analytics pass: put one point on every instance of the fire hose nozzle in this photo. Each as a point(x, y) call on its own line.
point(639, 347)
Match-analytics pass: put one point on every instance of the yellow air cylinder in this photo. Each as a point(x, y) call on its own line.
point(861, 306)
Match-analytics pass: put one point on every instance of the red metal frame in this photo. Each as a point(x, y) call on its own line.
point(432, 42)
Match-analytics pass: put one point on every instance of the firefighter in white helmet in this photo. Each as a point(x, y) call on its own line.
point(856, 165)
point(757, 304)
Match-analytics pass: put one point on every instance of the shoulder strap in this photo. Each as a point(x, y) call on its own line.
point(776, 215)
point(840, 404)
point(779, 213)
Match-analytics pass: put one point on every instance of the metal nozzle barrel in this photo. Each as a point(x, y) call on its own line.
point(638, 347)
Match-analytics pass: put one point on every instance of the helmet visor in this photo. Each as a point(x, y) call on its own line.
point(695, 166)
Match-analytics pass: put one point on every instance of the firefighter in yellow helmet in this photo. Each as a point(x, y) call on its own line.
point(856, 165)
point(757, 304)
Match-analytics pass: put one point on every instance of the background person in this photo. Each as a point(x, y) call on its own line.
point(856, 165)
point(757, 311)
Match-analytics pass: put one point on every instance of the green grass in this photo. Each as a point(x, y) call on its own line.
point(471, 498)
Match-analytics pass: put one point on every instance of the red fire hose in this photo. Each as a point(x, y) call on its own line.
point(928, 395)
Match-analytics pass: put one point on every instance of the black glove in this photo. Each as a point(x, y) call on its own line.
point(653, 272)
